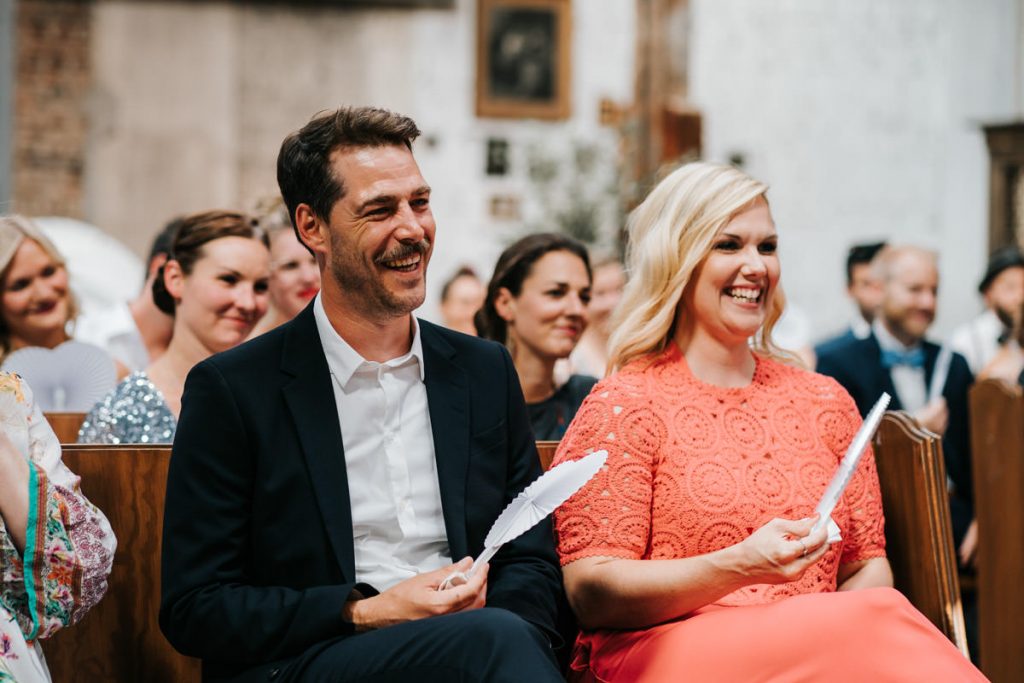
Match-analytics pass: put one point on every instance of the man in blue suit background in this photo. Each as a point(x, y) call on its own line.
point(896, 358)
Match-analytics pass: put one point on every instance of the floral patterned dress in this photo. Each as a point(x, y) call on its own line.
point(69, 546)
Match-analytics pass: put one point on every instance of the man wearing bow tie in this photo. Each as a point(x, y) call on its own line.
point(896, 358)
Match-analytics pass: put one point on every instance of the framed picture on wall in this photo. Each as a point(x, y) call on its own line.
point(416, 4)
point(523, 62)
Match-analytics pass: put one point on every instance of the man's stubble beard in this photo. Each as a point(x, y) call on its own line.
point(368, 295)
point(899, 329)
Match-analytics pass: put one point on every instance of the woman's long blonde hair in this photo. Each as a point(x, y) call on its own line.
point(670, 235)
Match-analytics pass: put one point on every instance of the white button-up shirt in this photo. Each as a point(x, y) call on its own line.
point(397, 521)
point(909, 382)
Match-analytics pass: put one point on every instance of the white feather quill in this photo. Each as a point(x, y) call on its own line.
point(534, 503)
point(847, 467)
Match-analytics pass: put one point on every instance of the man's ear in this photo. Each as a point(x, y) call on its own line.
point(174, 279)
point(312, 231)
point(505, 304)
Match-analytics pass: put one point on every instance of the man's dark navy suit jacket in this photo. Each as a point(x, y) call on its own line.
point(258, 555)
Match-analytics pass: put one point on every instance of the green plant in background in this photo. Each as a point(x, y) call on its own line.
point(576, 190)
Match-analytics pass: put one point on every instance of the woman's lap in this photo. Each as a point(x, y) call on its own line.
point(873, 634)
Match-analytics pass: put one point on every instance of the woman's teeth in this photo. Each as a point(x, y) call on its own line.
point(744, 295)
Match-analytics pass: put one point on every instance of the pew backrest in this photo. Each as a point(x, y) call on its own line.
point(65, 425)
point(918, 533)
point(997, 454)
point(546, 453)
point(119, 639)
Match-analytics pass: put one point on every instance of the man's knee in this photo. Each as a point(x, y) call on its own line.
point(499, 625)
point(499, 635)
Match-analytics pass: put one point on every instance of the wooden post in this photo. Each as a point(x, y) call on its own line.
point(997, 451)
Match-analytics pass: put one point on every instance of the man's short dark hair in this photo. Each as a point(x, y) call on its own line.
point(304, 171)
point(861, 254)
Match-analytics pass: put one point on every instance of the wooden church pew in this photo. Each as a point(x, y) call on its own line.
point(119, 639)
point(918, 533)
point(65, 425)
point(997, 451)
point(546, 453)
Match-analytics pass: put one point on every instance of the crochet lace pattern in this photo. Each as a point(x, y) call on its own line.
point(693, 468)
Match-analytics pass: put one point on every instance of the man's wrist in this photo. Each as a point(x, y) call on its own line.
point(350, 613)
point(354, 610)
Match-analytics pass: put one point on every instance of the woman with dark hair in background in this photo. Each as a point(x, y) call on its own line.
point(215, 285)
point(536, 306)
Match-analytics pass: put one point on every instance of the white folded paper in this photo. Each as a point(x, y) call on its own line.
point(847, 467)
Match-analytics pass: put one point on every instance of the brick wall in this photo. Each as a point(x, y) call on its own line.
point(50, 109)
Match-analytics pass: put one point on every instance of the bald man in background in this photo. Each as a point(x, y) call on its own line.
point(896, 358)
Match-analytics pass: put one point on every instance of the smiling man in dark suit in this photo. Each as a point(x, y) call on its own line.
point(326, 474)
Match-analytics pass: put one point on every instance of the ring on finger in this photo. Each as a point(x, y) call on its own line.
point(802, 545)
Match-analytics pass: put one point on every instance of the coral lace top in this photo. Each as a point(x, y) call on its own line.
point(693, 468)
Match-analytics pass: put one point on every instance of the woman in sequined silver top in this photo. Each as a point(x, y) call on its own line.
point(214, 283)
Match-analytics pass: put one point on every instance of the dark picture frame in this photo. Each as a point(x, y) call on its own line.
point(368, 4)
point(523, 58)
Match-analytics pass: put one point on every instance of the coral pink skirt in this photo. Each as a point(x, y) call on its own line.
point(867, 635)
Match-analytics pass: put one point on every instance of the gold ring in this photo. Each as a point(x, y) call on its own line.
point(804, 553)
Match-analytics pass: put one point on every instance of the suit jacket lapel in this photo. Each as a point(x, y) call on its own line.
point(310, 398)
point(448, 398)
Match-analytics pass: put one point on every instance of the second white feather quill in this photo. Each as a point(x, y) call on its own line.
point(534, 503)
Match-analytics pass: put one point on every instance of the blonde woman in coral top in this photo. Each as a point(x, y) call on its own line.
point(690, 555)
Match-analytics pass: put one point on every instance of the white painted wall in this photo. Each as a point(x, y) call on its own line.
point(864, 119)
point(193, 99)
point(163, 117)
